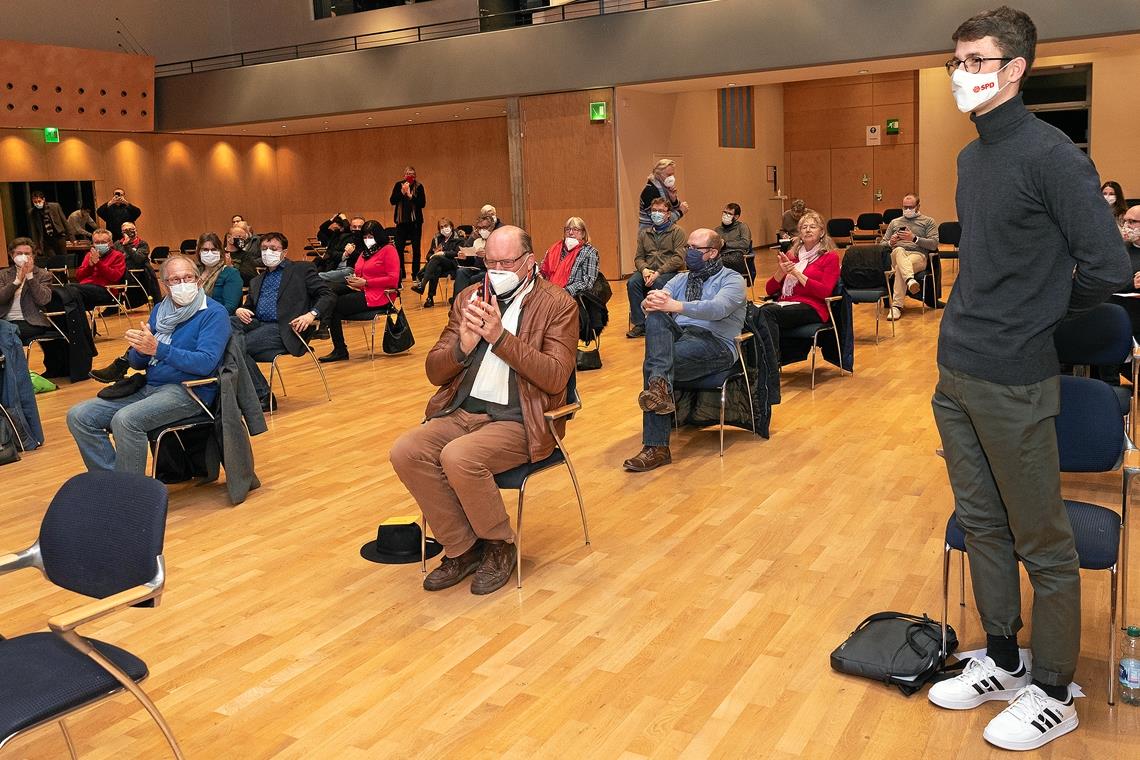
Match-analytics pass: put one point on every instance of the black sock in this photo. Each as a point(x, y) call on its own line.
point(1059, 693)
point(1003, 651)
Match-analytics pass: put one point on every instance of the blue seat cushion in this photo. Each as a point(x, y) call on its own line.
point(803, 332)
point(866, 296)
point(42, 676)
point(711, 382)
point(513, 478)
point(1096, 529)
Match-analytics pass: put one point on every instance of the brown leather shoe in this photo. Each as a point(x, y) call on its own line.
point(454, 569)
point(650, 458)
point(657, 398)
point(498, 564)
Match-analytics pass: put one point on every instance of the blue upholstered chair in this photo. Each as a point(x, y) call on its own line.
point(812, 332)
point(102, 536)
point(1101, 337)
point(1090, 438)
point(719, 381)
point(516, 478)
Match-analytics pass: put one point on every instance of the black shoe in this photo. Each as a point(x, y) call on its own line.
point(337, 355)
point(430, 302)
point(269, 404)
point(113, 372)
point(418, 287)
point(321, 334)
point(638, 331)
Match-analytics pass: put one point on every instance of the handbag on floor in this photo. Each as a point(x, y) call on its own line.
point(9, 448)
point(589, 358)
point(398, 336)
point(896, 648)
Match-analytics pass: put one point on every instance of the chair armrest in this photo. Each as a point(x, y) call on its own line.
point(833, 299)
point(55, 313)
point(196, 383)
point(190, 385)
point(67, 621)
point(562, 411)
point(739, 339)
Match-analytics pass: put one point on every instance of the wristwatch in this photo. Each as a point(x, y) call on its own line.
point(315, 313)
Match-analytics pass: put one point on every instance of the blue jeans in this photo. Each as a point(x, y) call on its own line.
point(637, 290)
point(677, 353)
point(129, 419)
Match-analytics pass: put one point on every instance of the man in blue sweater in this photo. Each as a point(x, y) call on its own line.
point(691, 324)
point(184, 339)
point(1038, 242)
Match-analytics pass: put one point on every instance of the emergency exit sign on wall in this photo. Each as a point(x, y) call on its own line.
point(51, 135)
point(598, 111)
point(892, 126)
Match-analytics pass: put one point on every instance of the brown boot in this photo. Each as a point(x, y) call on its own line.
point(657, 398)
point(454, 569)
point(650, 458)
point(498, 564)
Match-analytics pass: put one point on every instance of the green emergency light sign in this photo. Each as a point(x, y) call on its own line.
point(892, 126)
point(598, 111)
point(51, 135)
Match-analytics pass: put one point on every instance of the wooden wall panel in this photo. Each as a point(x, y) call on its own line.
point(848, 126)
point(807, 130)
point(569, 170)
point(73, 88)
point(849, 197)
point(894, 173)
point(810, 171)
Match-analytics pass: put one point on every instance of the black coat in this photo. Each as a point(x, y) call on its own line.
point(301, 290)
point(74, 357)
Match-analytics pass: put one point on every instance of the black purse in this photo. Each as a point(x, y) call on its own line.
point(9, 448)
point(398, 336)
point(588, 360)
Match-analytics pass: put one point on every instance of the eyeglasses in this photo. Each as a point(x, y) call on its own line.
point(501, 263)
point(1132, 222)
point(568, 230)
point(972, 64)
point(180, 280)
point(703, 247)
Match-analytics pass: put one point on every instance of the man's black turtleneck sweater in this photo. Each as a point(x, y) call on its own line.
point(1031, 211)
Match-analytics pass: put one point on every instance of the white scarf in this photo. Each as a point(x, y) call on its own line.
point(494, 373)
point(806, 258)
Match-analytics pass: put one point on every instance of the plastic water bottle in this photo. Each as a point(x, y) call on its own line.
point(1130, 667)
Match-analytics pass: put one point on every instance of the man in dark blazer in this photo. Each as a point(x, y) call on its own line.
point(288, 296)
point(48, 226)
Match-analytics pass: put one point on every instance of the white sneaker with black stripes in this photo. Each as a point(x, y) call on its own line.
point(981, 681)
point(1032, 720)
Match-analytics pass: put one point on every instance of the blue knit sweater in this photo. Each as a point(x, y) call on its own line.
point(195, 350)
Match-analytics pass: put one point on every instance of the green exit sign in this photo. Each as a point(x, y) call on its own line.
point(51, 135)
point(598, 111)
point(892, 126)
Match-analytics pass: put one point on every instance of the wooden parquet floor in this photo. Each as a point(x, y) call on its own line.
point(698, 624)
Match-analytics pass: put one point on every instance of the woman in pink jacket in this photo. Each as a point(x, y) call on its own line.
point(804, 277)
point(376, 272)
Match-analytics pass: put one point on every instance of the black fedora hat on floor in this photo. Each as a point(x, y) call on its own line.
point(398, 543)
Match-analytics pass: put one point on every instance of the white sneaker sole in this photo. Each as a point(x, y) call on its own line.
point(969, 704)
point(1056, 731)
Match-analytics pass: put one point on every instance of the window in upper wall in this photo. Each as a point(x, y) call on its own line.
point(329, 8)
point(1062, 96)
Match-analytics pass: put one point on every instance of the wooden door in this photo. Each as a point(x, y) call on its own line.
point(849, 196)
point(893, 174)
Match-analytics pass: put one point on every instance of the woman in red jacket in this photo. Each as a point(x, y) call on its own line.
point(804, 277)
point(377, 271)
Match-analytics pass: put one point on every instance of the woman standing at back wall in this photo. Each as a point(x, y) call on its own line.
point(661, 183)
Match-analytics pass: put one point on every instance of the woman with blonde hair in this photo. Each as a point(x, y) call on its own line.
point(805, 276)
point(661, 183)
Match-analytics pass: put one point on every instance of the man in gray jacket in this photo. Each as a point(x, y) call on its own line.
point(911, 237)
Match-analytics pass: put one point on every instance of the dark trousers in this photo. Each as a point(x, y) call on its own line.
point(409, 232)
point(436, 266)
point(676, 353)
point(54, 246)
point(785, 318)
point(1001, 456)
point(262, 344)
point(348, 305)
point(637, 290)
point(95, 295)
point(29, 332)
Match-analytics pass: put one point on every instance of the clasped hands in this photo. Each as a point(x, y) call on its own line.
point(479, 319)
point(659, 300)
point(143, 341)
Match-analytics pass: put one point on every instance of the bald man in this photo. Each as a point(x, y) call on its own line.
point(503, 360)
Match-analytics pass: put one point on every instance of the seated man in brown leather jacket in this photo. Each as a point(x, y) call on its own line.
point(499, 367)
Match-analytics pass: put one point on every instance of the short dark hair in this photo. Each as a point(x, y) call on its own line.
point(734, 208)
point(15, 243)
point(1012, 30)
point(38, 194)
point(279, 237)
point(659, 202)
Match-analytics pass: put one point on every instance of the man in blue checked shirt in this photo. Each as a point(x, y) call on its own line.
point(690, 328)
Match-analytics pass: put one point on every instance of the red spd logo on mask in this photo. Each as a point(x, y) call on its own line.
point(986, 86)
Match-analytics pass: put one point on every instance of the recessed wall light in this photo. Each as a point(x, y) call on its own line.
point(864, 71)
point(732, 84)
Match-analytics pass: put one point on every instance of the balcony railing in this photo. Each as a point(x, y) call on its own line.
point(568, 12)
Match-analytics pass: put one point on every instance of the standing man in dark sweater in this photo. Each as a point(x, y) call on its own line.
point(1037, 242)
point(408, 201)
point(117, 211)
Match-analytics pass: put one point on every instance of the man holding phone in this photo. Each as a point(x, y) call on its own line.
point(911, 237)
point(118, 211)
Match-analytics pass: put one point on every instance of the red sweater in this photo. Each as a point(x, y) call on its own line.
point(110, 269)
point(380, 271)
point(822, 274)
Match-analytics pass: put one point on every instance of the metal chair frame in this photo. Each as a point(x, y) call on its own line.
point(830, 326)
point(177, 428)
point(275, 370)
point(49, 338)
point(393, 296)
point(882, 303)
point(742, 372)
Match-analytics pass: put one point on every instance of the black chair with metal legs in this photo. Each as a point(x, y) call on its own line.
point(813, 331)
point(205, 418)
point(372, 316)
point(102, 536)
point(1090, 438)
point(719, 381)
point(516, 478)
point(51, 337)
point(275, 369)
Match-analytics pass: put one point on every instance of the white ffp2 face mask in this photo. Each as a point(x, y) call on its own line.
point(726, 219)
point(1109, 199)
point(910, 213)
point(971, 91)
point(484, 233)
point(184, 293)
point(502, 281)
point(270, 257)
point(209, 257)
point(20, 259)
point(571, 242)
point(669, 182)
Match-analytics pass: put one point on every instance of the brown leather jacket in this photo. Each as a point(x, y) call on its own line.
point(542, 355)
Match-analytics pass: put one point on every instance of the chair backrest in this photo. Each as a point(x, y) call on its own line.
point(189, 245)
point(159, 252)
point(1102, 335)
point(103, 532)
point(950, 232)
point(869, 221)
point(890, 214)
point(840, 227)
point(863, 266)
point(1090, 428)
